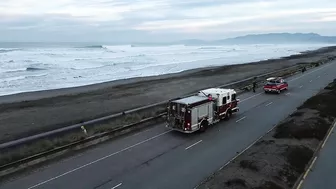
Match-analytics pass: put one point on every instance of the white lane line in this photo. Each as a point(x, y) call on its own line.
point(306, 173)
point(331, 130)
point(309, 168)
point(287, 94)
point(193, 145)
point(251, 97)
point(269, 104)
point(98, 160)
point(301, 86)
point(310, 81)
point(114, 187)
point(241, 119)
point(318, 76)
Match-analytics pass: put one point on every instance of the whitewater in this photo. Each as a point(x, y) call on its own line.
point(29, 69)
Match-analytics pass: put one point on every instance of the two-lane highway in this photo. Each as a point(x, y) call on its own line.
point(160, 158)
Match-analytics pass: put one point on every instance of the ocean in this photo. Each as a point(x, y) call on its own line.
point(37, 67)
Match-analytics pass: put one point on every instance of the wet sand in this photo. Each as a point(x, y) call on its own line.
point(30, 113)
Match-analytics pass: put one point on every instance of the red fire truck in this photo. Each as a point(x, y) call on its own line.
point(197, 112)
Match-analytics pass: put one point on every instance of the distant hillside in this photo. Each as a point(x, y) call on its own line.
point(281, 38)
point(277, 38)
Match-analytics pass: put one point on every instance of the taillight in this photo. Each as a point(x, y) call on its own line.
point(188, 126)
point(187, 119)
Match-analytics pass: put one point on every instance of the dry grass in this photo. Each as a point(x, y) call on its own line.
point(269, 185)
point(15, 154)
point(236, 182)
point(249, 164)
point(297, 158)
point(126, 120)
point(311, 128)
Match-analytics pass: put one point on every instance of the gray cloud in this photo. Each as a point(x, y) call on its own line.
point(160, 20)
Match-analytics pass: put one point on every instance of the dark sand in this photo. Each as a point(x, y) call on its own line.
point(30, 113)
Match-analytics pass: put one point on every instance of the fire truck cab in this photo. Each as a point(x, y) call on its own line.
point(225, 99)
point(197, 112)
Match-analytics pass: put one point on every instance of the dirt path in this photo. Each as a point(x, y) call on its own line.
point(29, 113)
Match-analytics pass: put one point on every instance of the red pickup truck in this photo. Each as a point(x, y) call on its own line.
point(275, 84)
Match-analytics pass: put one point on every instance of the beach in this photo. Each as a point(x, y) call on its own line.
point(29, 113)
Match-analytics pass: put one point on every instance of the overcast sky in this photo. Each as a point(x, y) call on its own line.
point(160, 20)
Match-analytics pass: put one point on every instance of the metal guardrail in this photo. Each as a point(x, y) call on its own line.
point(34, 157)
point(109, 117)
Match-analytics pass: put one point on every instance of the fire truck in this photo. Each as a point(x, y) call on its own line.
point(198, 112)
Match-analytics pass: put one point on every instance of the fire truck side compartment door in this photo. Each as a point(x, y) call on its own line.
point(202, 111)
point(211, 112)
point(194, 118)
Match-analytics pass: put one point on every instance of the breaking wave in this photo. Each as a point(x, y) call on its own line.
point(210, 47)
point(8, 50)
point(103, 47)
point(33, 69)
point(28, 69)
point(93, 47)
point(10, 79)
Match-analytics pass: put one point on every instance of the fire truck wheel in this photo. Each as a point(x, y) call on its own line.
point(228, 115)
point(204, 126)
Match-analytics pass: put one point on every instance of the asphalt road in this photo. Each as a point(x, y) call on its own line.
point(159, 158)
point(324, 169)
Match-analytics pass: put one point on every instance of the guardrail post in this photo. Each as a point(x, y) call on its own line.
point(84, 130)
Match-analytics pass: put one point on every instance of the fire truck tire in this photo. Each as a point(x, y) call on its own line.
point(204, 126)
point(228, 115)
